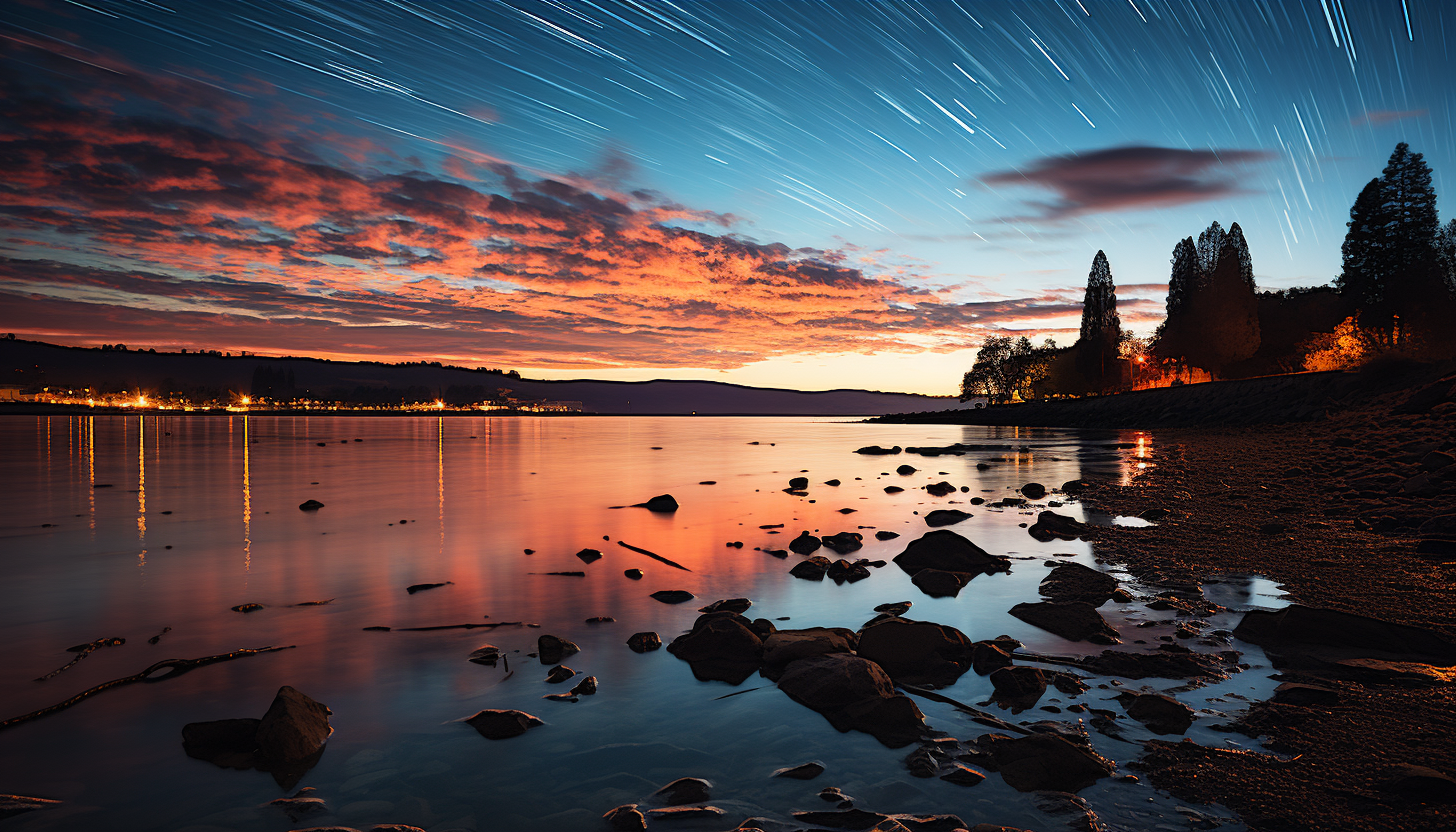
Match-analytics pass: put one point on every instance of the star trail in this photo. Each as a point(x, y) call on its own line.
point(802, 194)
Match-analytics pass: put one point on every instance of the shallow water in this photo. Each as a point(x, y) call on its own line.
point(201, 514)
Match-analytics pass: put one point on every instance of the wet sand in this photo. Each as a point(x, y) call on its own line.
point(1333, 510)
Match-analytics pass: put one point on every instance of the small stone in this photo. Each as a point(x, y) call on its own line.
point(497, 724)
point(643, 642)
point(310, 505)
point(804, 771)
point(684, 790)
point(559, 674)
point(634, 574)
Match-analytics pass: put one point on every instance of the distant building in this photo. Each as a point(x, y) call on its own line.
point(13, 393)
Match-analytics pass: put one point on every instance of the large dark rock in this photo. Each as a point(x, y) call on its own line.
point(812, 569)
point(672, 596)
point(945, 517)
point(786, 646)
point(720, 648)
point(905, 470)
point(843, 543)
point(1161, 713)
point(842, 570)
point(1300, 631)
point(804, 544)
point(1052, 526)
point(589, 555)
point(1075, 582)
point(1033, 491)
point(1046, 762)
point(1072, 620)
point(937, 583)
point(552, 649)
point(947, 551)
point(798, 483)
point(662, 502)
point(988, 656)
point(1020, 687)
point(940, 489)
point(626, 818)
point(294, 729)
point(642, 642)
point(684, 790)
point(854, 693)
point(917, 652)
point(495, 724)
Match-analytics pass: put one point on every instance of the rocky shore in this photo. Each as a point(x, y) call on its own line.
point(1354, 512)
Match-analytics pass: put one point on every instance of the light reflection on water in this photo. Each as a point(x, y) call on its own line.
point(475, 494)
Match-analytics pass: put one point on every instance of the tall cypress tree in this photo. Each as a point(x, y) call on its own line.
point(1096, 349)
point(1210, 245)
point(1361, 279)
point(1184, 276)
point(1246, 261)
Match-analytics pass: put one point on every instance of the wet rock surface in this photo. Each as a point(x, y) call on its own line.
point(947, 551)
point(1075, 582)
point(854, 693)
point(917, 652)
point(287, 742)
point(497, 724)
point(722, 646)
point(1072, 620)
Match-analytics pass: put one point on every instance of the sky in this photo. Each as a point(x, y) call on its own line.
point(798, 194)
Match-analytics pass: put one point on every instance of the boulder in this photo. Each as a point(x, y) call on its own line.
point(945, 517)
point(1161, 713)
point(495, 724)
point(589, 555)
point(945, 550)
point(893, 489)
point(559, 674)
point(673, 596)
point(1075, 582)
point(854, 693)
point(895, 607)
point(842, 570)
point(1294, 630)
point(1305, 696)
point(1072, 620)
point(642, 642)
point(798, 483)
point(1046, 762)
point(720, 648)
point(682, 791)
point(786, 646)
point(906, 470)
point(661, 503)
point(804, 771)
point(812, 569)
point(1020, 685)
point(804, 544)
point(1052, 526)
point(1074, 487)
point(917, 652)
point(293, 730)
point(937, 583)
point(310, 505)
point(988, 656)
point(940, 489)
point(843, 543)
point(1033, 491)
point(586, 687)
point(552, 649)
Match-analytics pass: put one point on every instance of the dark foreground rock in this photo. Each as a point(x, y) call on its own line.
point(787, 646)
point(287, 742)
point(812, 569)
point(497, 724)
point(1052, 526)
point(672, 596)
point(1075, 582)
point(947, 551)
point(938, 583)
point(552, 649)
point(642, 642)
point(1046, 762)
point(1161, 713)
point(626, 818)
point(16, 804)
point(804, 771)
point(1300, 632)
point(663, 503)
point(684, 790)
point(804, 544)
point(721, 647)
point(945, 517)
point(1072, 620)
point(917, 652)
point(854, 693)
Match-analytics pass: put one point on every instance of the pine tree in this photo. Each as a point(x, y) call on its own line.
point(1184, 276)
point(1210, 245)
point(1246, 261)
point(1360, 277)
point(1409, 209)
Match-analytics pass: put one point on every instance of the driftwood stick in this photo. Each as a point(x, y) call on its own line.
point(82, 651)
point(674, 564)
point(152, 674)
point(981, 716)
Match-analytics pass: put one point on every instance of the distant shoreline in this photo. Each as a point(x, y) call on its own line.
point(33, 409)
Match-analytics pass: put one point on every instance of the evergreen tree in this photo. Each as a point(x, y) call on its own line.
point(1184, 276)
point(1409, 210)
point(1246, 261)
point(1210, 246)
point(1360, 278)
point(1222, 319)
point(1096, 349)
point(1446, 254)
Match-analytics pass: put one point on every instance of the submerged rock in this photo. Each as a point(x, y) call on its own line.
point(287, 741)
point(634, 574)
point(938, 583)
point(940, 489)
point(728, 604)
point(854, 693)
point(589, 555)
point(495, 724)
point(884, 535)
point(487, 654)
point(1161, 713)
point(413, 588)
point(559, 674)
point(586, 687)
point(947, 551)
point(1294, 630)
point(310, 505)
point(876, 450)
point(1075, 582)
point(684, 790)
point(945, 517)
point(1046, 762)
point(661, 503)
point(1020, 686)
point(1052, 526)
point(803, 771)
point(906, 470)
point(673, 596)
point(1072, 620)
point(798, 483)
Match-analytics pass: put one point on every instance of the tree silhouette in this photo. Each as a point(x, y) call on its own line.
point(1005, 367)
point(1096, 349)
point(1409, 209)
point(1184, 277)
point(1210, 246)
point(1223, 318)
point(1360, 279)
point(1246, 261)
point(1446, 255)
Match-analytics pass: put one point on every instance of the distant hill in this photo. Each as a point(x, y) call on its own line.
point(30, 362)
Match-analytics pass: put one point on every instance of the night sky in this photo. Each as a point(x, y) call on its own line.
point(799, 194)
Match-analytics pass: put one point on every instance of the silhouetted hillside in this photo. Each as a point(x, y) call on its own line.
point(33, 362)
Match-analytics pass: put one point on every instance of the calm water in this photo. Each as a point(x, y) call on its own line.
point(201, 514)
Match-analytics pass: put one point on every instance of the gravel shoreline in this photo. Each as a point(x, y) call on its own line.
point(1346, 513)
